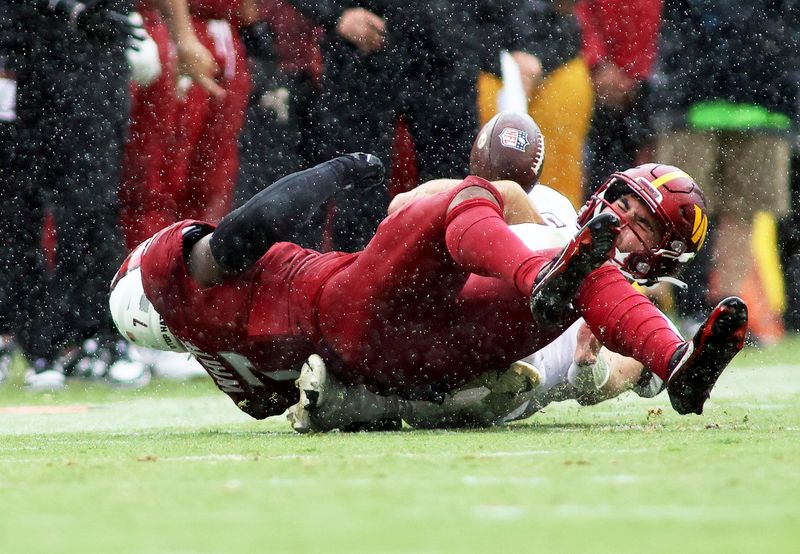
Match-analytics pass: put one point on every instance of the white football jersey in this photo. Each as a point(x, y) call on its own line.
point(561, 220)
point(554, 207)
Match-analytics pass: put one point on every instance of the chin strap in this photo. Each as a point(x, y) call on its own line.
point(677, 282)
point(650, 282)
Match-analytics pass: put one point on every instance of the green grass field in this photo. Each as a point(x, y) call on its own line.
point(176, 468)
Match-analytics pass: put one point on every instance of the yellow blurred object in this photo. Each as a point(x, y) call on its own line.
point(763, 287)
point(767, 260)
point(488, 90)
point(661, 294)
point(562, 107)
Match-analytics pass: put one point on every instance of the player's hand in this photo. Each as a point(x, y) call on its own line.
point(530, 71)
point(278, 103)
point(197, 63)
point(587, 348)
point(400, 200)
point(612, 86)
point(363, 29)
point(366, 169)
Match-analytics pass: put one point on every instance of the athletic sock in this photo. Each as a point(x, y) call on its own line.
point(480, 241)
point(626, 321)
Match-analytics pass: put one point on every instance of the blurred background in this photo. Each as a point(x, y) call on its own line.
point(118, 118)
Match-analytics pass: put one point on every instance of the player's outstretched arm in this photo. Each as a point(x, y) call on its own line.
point(599, 374)
point(272, 215)
point(620, 374)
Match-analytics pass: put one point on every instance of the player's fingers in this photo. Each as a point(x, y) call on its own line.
point(377, 23)
point(584, 351)
point(371, 40)
point(212, 87)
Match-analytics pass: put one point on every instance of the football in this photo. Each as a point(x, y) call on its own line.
point(510, 146)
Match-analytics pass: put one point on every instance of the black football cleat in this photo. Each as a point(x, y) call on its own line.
point(558, 281)
point(367, 171)
point(697, 365)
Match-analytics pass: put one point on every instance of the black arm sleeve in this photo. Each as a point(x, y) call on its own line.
point(272, 215)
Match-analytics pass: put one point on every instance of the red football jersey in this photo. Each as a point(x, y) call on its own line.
point(252, 332)
point(214, 9)
point(401, 316)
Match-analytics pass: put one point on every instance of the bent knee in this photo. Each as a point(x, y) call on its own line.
point(470, 192)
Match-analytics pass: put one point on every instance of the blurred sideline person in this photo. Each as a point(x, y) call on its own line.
point(419, 60)
point(146, 200)
point(562, 102)
point(620, 44)
point(277, 137)
point(726, 118)
point(71, 115)
point(204, 159)
point(408, 317)
point(182, 157)
point(8, 115)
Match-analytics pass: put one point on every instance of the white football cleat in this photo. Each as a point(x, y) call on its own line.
point(300, 419)
point(312, 385)
point(325, 404)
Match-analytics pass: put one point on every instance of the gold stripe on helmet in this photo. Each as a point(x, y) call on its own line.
point(700, 227)
point(667, 177)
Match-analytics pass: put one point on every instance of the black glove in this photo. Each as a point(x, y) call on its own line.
point(366, 170)
point(93, 19)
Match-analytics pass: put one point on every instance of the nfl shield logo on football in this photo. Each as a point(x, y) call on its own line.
point(514, 138)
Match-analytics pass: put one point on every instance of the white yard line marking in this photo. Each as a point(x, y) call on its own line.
point(211, 458)
point(513, 453)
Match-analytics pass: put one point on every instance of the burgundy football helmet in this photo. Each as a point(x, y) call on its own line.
point(678, 203)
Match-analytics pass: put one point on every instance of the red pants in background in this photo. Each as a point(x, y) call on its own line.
point(146, 201)
point(181, 157)
point(204, 158)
